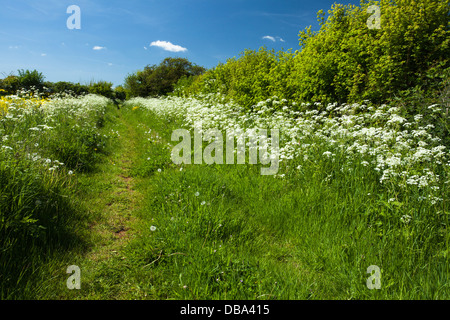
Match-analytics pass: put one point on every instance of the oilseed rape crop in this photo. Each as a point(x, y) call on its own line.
point(16, 101)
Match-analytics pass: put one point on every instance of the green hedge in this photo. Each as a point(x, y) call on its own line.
point(345, 61)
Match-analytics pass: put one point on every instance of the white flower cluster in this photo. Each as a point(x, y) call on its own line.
point(22, 111)
point(80, 107)
point(403, 153)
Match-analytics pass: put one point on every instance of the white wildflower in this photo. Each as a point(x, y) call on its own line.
point(405, 219)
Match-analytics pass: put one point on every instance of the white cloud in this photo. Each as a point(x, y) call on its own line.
point(43, 54)
point(274, 39)
point(98, 48)
point(145, 48)
point(269, 38)
point(168, 46)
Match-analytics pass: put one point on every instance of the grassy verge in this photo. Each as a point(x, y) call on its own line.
point(149, 229)
point(42, 223)
point(232, 234)
point(226, 232)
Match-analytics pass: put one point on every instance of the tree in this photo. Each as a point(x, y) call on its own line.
point(29, 79)
point(159, 80)
point(67, 87)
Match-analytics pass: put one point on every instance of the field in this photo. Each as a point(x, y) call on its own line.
point(88, 183)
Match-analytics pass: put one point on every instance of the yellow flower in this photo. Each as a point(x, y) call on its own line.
point(134, 108)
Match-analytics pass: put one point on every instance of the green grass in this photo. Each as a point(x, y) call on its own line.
point(42, 221)
point(227, 232)
point(255, 238)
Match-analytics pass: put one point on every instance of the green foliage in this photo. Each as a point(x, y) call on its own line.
point(120, 93)
point(348, 62)
point(184, 85)
point(25, 79)
point(217, 232)
point(253, 77)
point(67, 87)
point(41, 155)
point(102, 88)
point(345, 61)
point(9, 84)
point(37, 220)
point(29, 79)
point(434, 91)
point(159, 80)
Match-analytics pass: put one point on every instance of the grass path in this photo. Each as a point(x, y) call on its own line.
point(112, 198)
point(160, 231)
point(118, 197)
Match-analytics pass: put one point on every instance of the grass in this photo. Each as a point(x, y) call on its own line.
point(244, 244)
point(140, 227)
point(42, 221)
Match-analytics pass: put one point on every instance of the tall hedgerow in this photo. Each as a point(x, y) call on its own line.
point(346, 60)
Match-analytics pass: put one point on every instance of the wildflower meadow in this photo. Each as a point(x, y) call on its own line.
point(318, 174)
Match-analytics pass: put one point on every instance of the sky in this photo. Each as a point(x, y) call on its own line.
point(82, 41)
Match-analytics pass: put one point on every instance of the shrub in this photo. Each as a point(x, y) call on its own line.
point(345, 61)
point(348, 62)
point(102, 88)
point(9, 85)
point(120, 93)
point(67, 88)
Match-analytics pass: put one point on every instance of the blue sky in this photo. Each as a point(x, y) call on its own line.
point(119, 37)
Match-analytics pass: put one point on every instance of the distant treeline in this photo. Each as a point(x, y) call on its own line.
point(34, 80)
point(155, 80)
